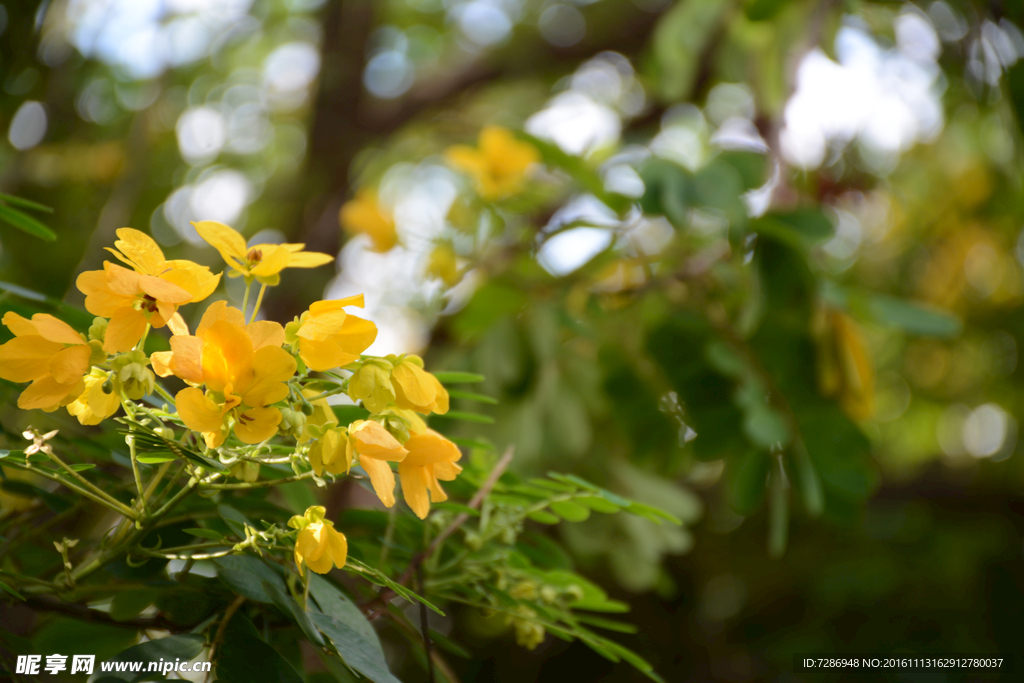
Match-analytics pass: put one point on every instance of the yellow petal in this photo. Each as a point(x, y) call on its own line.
point(322, 326)
point(273, 366)
point(186, 361)
point(318, 307)
point(18, 325)
point(308, 259)
point(197, 411)
point(227, 355)
point(437, 494)
point(56, 330)
point(94, 406)
point(177, 325)
point(163, 290)
point(219, 310)
point(195, 279)
point(374, 441)
point(311, 544)
point(414, 488)
point(413, 388)
point(122, 281)
point(337, 546)
point(382, 478)
point(257, 424)
point(446, 470)
point(440, 404)
point(48, 394)
point(363, 215)
point(161, 361)
point(140, 251)
point(70, 364)
point(99, 298)
point(430, 447)
point(27, 358)
point(225, 240)
point(321, 355)
point(265, 333)
point(125, 330)
point(355, 336)
point(275, 259)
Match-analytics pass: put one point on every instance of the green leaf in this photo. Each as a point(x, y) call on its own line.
point(235, 520)
point(680, 40)
point(468, 417)
point(598, 504)
point(605, 623)
point(765, 427)
point(129, 604)
point(458, 377)
point(570, 511)
point(10, 589)
point(103, 640)
point(382, 579)
point(335, 603)
point(155, 459)
point(245, 658)
point(470, 396)
point(800, 228)
point(288, 605)
point(348, 414)
point(184, 647)
point(24, 203)
point(246, 575)
point(26, 223)
point(653, 514)
point(354, 648)
point(544, 517)
point(914, 318)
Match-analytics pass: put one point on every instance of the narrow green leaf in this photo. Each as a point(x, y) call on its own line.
point(470, 396)
point(458, 377)
point(544, 517)
point(208, 534)
point(24, 203)
point(570, 511)
point(468, 417)
point(11, 590)
point(155, 459)
point(26, 223)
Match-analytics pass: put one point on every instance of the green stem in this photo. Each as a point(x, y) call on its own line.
point(142, 340)
point(259, 300)
point(130, 439)
point(331, 392)
point(245, 297)
point(258, 484)
point(166, 395)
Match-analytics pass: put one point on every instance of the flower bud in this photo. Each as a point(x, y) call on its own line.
point(291, 331)
point(371, 384)
point(98, 329)
point(246, 470)
point(96, 353)
point(137, 380)
point(165, 433)
point(293, 422)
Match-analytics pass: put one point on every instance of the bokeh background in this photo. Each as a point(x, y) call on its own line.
point(647, 350)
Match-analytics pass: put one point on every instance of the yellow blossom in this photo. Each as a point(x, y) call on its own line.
point(138, 250)
point(377, 447)
point(131, 300)
point(431, 457)
point(318, 544)
point(264, 262)
point(322, 416)
point(364, 215)
point(49, 353)
point(416, 389)
point(95, 405)
point(243, 367)
point(499, 163)
point(328, 337)
point(443, 264)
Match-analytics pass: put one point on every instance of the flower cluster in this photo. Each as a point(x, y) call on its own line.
point(243, 380)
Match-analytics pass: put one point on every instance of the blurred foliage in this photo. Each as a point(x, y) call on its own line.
point(798, 335)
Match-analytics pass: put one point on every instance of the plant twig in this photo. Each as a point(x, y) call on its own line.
point(219, 638)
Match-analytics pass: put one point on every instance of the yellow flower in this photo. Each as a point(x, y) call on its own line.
point(431, 457)
point(318, 545)
point(498, 165)
point(95, 405)
point(328, 337)
point(416, 389)
point(264, 262)
point(131, 300)
point(138, 250)
point(243, 367)
point(322, 416)
point(377, 447)
point(50, 354)
point(364, 215)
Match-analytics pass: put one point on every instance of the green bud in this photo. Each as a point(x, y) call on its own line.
point(371, 384)
point(165, 433)
point(548, 594)
point(96, 352)
point(246, 470)
point(107, 387)
point(98, 329)
point(293, 422)
point(291, 331)
point(137, 380)
point(307, 408)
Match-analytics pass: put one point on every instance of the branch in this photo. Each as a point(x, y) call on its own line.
point(88, 614)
